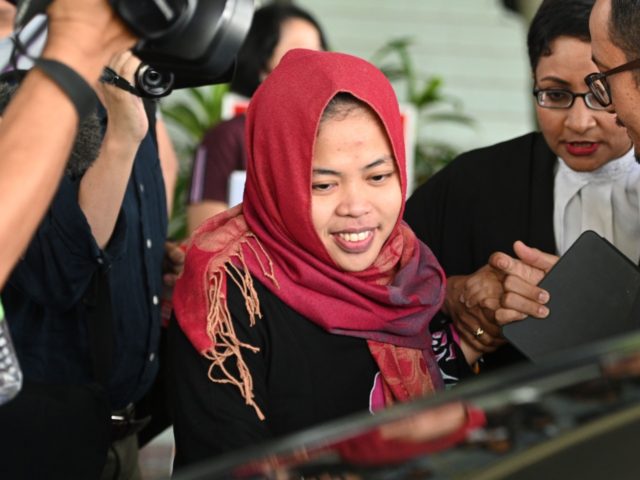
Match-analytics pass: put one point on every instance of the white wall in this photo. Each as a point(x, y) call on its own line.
point(476, 46)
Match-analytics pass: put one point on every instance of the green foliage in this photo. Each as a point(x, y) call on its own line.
point(195, 112)
point(432, 105)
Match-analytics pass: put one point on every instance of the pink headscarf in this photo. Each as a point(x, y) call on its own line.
point(272, 237)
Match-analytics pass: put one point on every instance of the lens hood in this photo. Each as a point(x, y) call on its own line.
point(204, 49)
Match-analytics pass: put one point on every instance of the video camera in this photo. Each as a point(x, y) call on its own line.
point(183, 43)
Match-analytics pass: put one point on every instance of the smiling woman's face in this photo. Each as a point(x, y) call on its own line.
point(356, 196)
point(584, 138)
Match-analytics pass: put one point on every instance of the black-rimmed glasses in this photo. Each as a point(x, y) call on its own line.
point(562, 99)
point(598, 85)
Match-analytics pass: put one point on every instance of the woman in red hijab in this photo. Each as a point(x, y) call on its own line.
point(311, 300)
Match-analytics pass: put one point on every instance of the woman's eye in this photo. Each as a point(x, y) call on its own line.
point(321, 187)
point(557, 96)
point(380, 177)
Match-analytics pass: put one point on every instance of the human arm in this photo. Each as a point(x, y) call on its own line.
point(168, 162)
point(501, 292)
point(200, 211)
point(220, 153)
point(103, 185)
point(173, 263)
point(471, 302)
point(39, 125)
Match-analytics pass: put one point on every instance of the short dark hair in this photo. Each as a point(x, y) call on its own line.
point(557, 18)
point(342, 105)
point(623, 26)
point(261, 41)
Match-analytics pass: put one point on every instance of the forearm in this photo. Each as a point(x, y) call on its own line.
point(454, 290)
point(199, 212)
point(34, 144)
point(168, 162)
point(103, 186)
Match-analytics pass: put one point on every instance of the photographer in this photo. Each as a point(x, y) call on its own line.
point(104, 231)
point(38, 128)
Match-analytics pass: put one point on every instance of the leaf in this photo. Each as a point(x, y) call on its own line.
point(199, 98)
point(192, 118)
point(430, 93)
point(185, 119)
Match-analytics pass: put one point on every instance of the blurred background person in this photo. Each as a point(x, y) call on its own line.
point(274, 31)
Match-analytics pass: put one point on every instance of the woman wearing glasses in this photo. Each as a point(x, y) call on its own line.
point(544, 188)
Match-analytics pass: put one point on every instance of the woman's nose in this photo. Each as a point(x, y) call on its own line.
point(354, 201)
point(580, 118)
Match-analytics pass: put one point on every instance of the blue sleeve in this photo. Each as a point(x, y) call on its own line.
point(58, 264)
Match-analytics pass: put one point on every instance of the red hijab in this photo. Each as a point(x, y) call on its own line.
point(271, 236)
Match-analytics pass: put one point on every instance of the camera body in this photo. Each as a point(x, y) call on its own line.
point(203, 50)
point(183, 43)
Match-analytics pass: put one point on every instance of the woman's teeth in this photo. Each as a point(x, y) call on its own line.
point(355, 237)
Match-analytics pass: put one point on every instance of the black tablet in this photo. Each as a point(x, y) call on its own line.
point(593, 293)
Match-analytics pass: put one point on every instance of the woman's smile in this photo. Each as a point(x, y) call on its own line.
point(354, 242)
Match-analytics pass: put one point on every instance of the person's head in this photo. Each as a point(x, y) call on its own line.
point(88, 139)
point(355, 188)
point(326, 152)
point(275, 29)
point(577, 129)
point(616, 42)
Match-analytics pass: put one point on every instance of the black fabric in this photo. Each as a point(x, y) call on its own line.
point(99, 326)
point(302, 376)
point(40, 429)
point(151, 109)
point(65, 418)
point(155, 403)
point(481, 203)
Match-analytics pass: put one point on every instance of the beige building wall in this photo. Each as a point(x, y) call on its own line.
point(476, 46)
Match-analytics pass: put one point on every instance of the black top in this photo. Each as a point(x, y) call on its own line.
point(302, 376)
point(484, 201)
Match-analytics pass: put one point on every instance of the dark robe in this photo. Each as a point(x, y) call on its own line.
point(481, 203)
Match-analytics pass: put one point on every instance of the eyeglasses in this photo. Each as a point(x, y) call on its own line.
point(597, 82)
point(559, 98)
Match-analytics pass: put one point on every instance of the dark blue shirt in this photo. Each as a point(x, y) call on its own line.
point(43, 298)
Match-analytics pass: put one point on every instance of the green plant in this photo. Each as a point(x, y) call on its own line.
point(189, 117)
point(432, 106)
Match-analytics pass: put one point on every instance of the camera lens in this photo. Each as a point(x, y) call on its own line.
point(153, 83)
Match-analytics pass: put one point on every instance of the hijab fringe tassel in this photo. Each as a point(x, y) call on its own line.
point(220, 327)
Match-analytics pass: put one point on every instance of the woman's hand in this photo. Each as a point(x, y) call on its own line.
point(471, 302)
point(522, 296)
point(127, 119)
